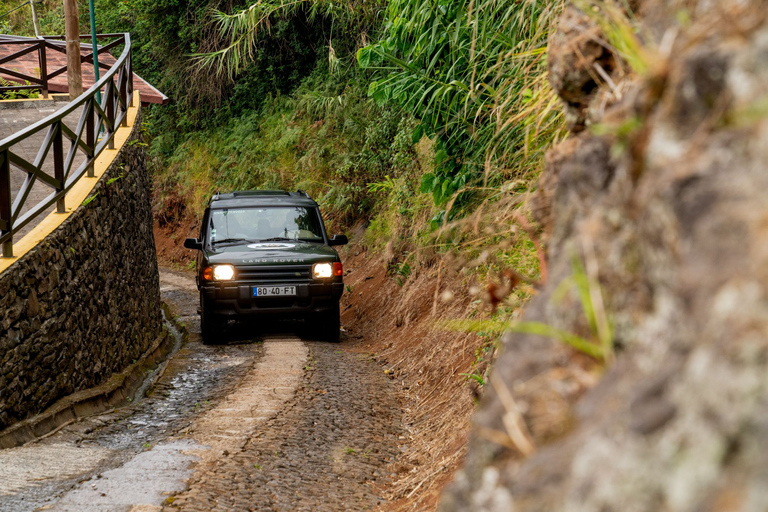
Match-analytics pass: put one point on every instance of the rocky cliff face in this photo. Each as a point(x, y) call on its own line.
point(666, 204)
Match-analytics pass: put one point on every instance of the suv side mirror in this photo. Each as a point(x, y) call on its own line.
point(193, 243)
point(338, 240)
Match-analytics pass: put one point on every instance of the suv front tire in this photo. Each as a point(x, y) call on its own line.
point(330, 322)
point(210, 323)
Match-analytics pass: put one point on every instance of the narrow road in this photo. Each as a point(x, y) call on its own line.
point(268, 421)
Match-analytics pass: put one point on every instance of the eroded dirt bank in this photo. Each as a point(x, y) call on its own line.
point(400, 326)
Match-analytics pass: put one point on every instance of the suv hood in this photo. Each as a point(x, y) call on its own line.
point(272, 253)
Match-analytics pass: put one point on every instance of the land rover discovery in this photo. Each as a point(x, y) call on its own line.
point(265, 253)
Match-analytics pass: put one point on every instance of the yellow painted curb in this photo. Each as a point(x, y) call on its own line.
point(54, 96)
point(77, 194)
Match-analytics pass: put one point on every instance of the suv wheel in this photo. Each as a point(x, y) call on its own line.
point(331, 324)
point(210, 324)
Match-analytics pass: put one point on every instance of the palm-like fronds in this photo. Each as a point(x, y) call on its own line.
point(242, 30)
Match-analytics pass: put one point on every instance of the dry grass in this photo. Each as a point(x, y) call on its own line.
point(400, 326)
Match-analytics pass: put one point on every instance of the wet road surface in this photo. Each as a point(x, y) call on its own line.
point(268, 421)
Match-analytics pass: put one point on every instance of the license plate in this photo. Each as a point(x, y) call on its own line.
point(274, 291)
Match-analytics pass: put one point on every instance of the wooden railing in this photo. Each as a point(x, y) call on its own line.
point(39, 45)
point(94, 132)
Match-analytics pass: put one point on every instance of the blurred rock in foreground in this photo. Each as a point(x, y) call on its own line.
point(669, 203)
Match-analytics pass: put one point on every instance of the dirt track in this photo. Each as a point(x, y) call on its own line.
point(268, 421)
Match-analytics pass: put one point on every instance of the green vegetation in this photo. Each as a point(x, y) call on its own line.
point(583, 284)
point(471, 72)
point(426, 119)
point(456, 115)
point(484, 355)
point(406, 114)
point(16, 95)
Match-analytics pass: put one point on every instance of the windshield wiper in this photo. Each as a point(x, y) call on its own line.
point(229, 240)
point(276, 239)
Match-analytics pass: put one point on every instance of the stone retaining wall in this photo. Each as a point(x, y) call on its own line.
point(85, 302)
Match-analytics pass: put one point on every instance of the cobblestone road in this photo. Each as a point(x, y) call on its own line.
point(326, 451)
point(271, 422)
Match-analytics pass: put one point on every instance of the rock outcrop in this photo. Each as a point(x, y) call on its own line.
point(668, 208)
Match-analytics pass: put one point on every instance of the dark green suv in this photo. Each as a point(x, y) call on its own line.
point(266, 253)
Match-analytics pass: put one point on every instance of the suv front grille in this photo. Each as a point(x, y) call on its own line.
point(275, 274)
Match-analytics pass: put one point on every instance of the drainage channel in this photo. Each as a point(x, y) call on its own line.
point(155, 374)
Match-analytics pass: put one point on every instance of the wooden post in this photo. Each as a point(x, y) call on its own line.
point(110, 132)
point(122, 80)
point(5, 201)
point(90, 133)
point(72, 29)
point(58, 165)
point(129, 70)
point(43, 68)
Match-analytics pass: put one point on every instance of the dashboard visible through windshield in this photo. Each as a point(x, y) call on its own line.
point(259, 224)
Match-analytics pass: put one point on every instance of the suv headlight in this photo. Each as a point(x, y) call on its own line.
point(223, 272)
point(322, 270)
point(326, 270)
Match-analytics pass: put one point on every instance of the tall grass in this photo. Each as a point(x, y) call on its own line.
point(474, 73)
point(327, 139)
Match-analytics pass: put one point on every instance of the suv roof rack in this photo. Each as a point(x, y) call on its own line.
point(218, 196)
point(245, 193)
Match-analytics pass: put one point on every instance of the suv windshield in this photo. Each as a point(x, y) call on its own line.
point(265, 223)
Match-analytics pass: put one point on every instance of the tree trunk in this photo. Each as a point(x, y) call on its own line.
point(72, 29)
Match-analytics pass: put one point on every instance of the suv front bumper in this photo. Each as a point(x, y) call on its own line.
point(236, 299)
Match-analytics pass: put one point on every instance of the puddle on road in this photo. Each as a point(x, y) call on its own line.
point(194, 377)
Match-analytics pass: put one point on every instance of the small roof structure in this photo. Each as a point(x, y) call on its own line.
point(29, 64)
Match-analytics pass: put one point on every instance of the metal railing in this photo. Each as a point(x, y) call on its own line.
point(94, 132)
